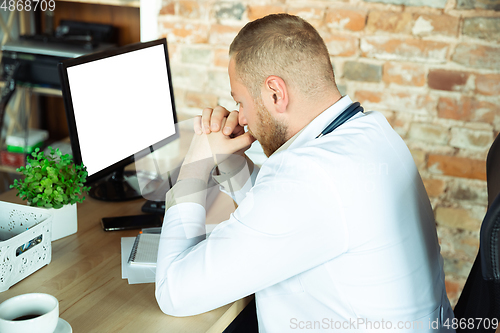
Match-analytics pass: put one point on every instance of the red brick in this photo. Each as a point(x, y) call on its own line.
point(419, 157)
point(222, 34)
point(389, 22)
point(441, 79)
point(404, 74)
point(478, 56)
point(190, 9)
point(455, 241)
point(341, 46)
point(459, 218)
point(484, 111)
point(407, 102)
point(168, 9)
point(200, 100)
point(401, 123)
point(428, 132)
point(452, 287)
point(172, 50)
point(388, 47)
point(467, 109)
point(255, 12)
point(488, 84)
point(453, 290)
point(457, 166)
point(310, 14)
point(470, 139)
point(185, 32)
point(346, 19)
point(364, 96)
point(435, 24)
point(221, 57)
point(434, 187)
point(452, 108)
point(469, 246)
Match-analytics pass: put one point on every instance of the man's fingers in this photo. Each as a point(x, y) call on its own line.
point(218, 115)
point(211, 120)
point(231, 123)
point(205, 119)
point(243, 141)
point(197, 125)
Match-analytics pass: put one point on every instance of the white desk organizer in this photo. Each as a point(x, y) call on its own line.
point(25, 243)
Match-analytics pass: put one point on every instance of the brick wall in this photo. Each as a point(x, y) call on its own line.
point(432, 67)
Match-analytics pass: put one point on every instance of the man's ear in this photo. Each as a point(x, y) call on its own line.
point(275, 94)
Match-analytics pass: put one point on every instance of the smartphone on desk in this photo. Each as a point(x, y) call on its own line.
point(131, 222)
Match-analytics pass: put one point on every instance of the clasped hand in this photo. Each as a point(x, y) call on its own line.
point(210, 141)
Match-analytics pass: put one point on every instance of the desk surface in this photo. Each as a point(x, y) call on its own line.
point(85, 276)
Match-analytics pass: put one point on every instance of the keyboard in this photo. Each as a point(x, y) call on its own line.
point(158, 207)
point(155, 205)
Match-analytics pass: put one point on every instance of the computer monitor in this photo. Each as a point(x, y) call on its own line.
point(120, 107)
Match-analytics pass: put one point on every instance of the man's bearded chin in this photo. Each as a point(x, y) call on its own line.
point(271, 133)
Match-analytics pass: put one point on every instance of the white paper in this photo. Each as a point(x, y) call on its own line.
point(138, 273)
point(127, 243)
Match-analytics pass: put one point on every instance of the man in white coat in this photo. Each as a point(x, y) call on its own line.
point(333, 232)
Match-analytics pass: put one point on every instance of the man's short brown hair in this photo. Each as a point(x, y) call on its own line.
point(286, 46)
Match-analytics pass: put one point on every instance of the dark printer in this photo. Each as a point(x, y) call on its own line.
point(34, 58)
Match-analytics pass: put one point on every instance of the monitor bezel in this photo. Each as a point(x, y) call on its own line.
point(70, 115)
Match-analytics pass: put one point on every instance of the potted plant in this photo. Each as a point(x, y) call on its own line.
point(55, 183)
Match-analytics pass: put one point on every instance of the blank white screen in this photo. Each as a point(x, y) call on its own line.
point(122, 105)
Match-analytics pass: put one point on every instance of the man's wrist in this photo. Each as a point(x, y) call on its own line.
point(200, 169)
point(232, 164)
point(234, 172)
point(189, 190)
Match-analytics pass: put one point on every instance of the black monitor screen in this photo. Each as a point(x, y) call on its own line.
point(120, 106)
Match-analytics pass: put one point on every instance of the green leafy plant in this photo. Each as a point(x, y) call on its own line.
point(51, 181)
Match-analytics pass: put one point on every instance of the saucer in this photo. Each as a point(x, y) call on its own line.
point(63, 327)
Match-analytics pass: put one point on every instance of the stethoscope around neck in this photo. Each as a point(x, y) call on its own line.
point(348, 113)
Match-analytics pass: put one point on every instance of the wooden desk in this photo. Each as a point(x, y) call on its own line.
point(85, 276)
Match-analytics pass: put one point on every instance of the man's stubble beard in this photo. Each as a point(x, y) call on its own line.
point(271, 133)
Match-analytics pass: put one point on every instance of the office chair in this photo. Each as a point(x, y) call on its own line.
point(493, 170)
point(480, 297)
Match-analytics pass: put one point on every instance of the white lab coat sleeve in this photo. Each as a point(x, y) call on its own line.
point(239, 195)
point(237, 180)
point(268, 239)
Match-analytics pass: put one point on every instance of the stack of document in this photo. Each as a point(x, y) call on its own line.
point(139, 255)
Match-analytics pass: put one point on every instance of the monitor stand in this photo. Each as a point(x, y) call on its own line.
point(123, 185)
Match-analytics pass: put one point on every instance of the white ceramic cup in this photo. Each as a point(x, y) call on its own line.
point(44, 307)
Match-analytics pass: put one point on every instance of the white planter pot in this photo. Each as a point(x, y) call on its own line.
point(64, 221)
